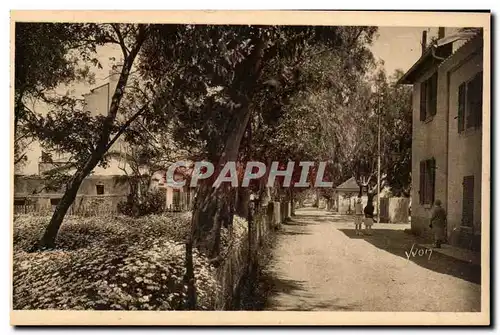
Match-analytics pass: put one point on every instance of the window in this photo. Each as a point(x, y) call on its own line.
point(468, 201)
point(99, 189)
point(45, 157)
point(55, 201)
point(19, 201)
point(428, 98)
point(427, 181)
point(470, 103)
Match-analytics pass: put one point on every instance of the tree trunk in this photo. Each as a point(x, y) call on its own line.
point(211, 203)
point(48, 240)
point(191, 289)
point(292, 202)
point(102, 145)
point(243, 200)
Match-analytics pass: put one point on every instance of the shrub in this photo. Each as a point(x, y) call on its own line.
point(146, 276)
point(81, 232)
point(232, 237)
point(118, 263)
point(153, 202)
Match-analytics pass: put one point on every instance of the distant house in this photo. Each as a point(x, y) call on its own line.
point(177, 199)
point(347, 195)
point(447, 138)
point(96, 194)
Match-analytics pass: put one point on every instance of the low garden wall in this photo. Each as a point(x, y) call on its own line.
point(84, 205)
point(394, 209)
point(240, 263)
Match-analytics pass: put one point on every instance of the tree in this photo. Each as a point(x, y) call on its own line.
point(397, 109)
point(309, 120)
point(224, 77)
point(67, 128)
point(393, 104)
point(144, 155)
point(43, 61)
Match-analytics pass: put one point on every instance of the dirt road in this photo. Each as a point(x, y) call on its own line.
point(320, 264)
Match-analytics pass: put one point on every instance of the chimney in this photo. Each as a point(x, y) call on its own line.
point(424, 41)
point(440, 32)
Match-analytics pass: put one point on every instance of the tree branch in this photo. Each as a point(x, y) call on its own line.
point(16, 161)
point(356, 37)
point(120, 40)
point(125, 126)
point(101, 146)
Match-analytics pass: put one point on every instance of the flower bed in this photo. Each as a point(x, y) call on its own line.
point(111, 264)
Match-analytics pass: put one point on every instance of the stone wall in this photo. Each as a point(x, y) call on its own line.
point(239, 263)
point(31, 196)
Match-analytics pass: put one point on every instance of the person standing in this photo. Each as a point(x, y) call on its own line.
point(358, 218)
point(369, 210)
point(438, 223)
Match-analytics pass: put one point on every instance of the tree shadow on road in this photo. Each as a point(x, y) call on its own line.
point(398, 242)
point(272, 286)
point(324, 218)
point(294, 228)
point(296, 222)
point(269, 285)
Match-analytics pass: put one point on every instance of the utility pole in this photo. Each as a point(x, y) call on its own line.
point(378, 165)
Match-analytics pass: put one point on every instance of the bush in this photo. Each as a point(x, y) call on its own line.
point(82, 232)
point(153, 202)
point(146, 276)
point(118, 263)
point(238, 234)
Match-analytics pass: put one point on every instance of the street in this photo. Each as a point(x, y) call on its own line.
point(318, 263)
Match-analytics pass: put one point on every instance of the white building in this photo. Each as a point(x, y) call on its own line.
point(447, 134)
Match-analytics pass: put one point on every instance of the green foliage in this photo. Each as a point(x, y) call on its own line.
point(42, 59)
point(145, 276)
point(117, 264)
point(393, 103)
point(69, 129)
point(153, 202)
point(114, 264)
point(46, 57)
point(210, 72)
point(89, 231)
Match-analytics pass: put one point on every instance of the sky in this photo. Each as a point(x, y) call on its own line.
point(399, 47)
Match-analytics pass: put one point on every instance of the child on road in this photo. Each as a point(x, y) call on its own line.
point(358, 218)
point(369, 209)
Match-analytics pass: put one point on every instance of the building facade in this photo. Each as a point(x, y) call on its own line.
point(447, 134)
